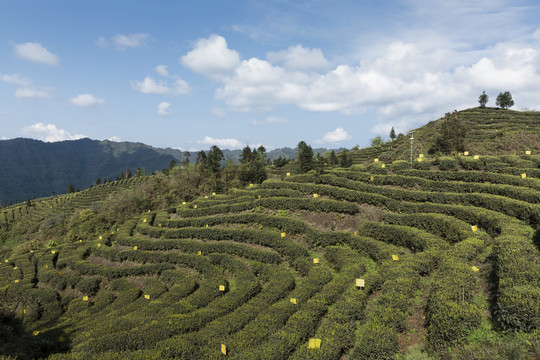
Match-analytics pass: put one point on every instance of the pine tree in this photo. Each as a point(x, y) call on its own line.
point(305, 156)
point(392, 134)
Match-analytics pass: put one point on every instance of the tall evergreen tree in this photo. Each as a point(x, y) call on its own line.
point(392, 134)
point(305, 156)
point(213, 159)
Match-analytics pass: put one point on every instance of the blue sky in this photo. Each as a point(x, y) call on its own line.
point(188, 74)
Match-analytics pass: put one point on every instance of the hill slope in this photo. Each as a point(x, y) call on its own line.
point(32, 168)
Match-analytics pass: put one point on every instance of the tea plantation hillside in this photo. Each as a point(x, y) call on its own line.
point(489, 131)
point(368, 262)
point(379, 260)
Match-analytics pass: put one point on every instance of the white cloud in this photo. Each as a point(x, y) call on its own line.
point(151, 86)
point(299, 58)
point(123, 42)
point(164, 108)
point(211, 57)
point(86, 100)
point(49, 133)
point(32, 93)
point(35, 52)
point(335, 136)
point(102, 42)
point(162, 70)
point(114, 138)
point(15, 79)
point(222, 143)
point(271, 120)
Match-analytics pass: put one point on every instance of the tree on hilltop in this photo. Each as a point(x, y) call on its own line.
point(504, 100)
point(483, 99)
point(451, 136)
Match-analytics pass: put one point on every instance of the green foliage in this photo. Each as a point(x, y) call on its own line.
point(504, 100)
point(305, 157)
point(483, 99)
point(451, 135)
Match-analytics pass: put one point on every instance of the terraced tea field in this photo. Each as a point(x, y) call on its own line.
point(357, 263)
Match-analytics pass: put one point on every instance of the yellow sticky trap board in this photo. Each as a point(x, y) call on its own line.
point(459, 154)
point(61, 273)
point(419, 159)
point(199, 252)
point(223, 349)
point(53, 252)
point(194, 206)
point(98, 245)
point(80, 240)
point(474, 228)
point(221, 287)
point(144, 220)
point(100, 237)
point(250, 185)
point(314, 343)
point(315, 195)
point(23, 311)
point(6, 260)
point(360, 283)
point(135, 247)
point(283, 234)
point(383, 166)
point(288, 174)
point(395, 257)
point(421, 155)
point(476, 157)
point(293, 301)
point(315, 260)
point(213, 193)
point(206, 196)
point(159, 225)
point(16, 281)
point(528, 152)
point(85, 298)
point(46, 266)
point(371, 178)
point(35, 333)
point(523, 176)
point(206, 226)
point(376, 160)
point(15, 268)
point(183, 203)
point(259, 196)
point(466, 153)
point(147, 297)
point(356, 233)
point(474, 268)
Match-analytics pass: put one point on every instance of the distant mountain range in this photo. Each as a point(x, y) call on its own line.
point(32, 168)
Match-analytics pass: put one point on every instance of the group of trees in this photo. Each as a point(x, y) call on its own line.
point(504, 100)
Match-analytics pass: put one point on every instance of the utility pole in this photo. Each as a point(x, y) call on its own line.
point(412, 141)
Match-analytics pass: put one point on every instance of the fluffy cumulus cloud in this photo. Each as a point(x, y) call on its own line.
point(299, 58)
point(406, 81)
point(86, 100)
point(222, 143)
point(152, 86)
point(164, 108)
point(336, 136)
point(162, 70)
point(211, 57)
point(49, 133)
point(35, 52)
